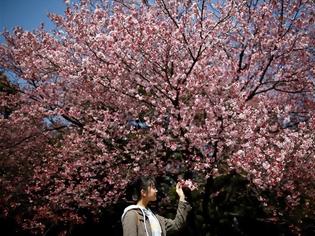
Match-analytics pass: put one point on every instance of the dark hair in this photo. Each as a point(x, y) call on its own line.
point(142, 182)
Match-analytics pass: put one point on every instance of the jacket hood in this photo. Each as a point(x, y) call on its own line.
point(139, 209)
point(132, 207)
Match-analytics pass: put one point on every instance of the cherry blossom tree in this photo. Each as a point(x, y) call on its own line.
point(126, 88)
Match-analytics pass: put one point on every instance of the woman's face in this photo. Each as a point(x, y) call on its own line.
point(151, 194)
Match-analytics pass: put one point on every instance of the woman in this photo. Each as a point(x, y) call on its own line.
point(139, 220)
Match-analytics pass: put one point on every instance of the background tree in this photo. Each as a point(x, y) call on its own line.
point(126, 88)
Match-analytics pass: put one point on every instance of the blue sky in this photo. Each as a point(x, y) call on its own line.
point(28, 14)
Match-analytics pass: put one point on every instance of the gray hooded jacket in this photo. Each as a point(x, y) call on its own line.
point(136, 223)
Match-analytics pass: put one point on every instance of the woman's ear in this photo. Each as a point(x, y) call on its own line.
point(143, 192)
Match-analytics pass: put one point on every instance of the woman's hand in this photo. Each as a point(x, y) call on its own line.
point(180, 192)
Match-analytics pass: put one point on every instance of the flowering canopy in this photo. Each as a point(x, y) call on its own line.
point(217, 85)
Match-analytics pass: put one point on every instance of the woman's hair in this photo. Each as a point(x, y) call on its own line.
point(142, 182)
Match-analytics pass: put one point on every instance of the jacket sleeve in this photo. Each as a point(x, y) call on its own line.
point(129, 224)
point(180, 218)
